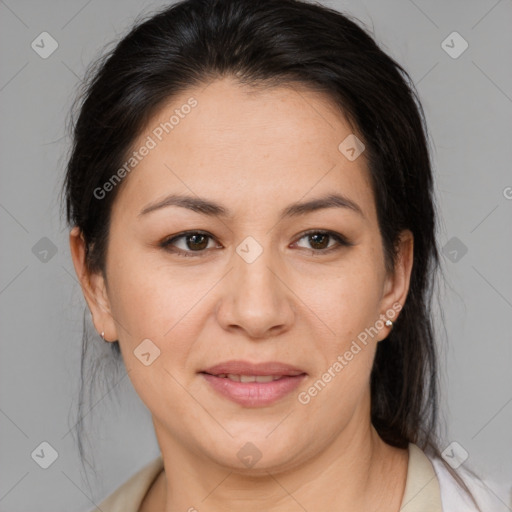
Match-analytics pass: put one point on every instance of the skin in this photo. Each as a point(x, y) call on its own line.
point(255, 153)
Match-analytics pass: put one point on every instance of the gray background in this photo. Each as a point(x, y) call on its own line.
point(468, 104)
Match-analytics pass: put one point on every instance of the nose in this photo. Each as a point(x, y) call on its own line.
point(256, 299)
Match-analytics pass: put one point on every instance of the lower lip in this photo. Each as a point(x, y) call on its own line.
point(254, 394)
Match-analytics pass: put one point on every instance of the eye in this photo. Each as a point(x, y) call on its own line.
point(319, 241)
point(191, 242)
point(197, 243)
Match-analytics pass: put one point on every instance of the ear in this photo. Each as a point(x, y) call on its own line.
point(397, 282)
point(93, 287)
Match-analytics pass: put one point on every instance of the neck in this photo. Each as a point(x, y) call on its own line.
point(356, 472)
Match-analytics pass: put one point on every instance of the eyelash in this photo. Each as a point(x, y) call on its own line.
point(341, 242)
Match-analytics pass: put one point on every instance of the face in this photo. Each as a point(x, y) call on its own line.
point(248, 275)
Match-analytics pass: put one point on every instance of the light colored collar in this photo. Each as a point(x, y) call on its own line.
point(421, 489)
point(129, 497)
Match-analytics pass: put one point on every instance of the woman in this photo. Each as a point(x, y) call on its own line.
point(253, 226)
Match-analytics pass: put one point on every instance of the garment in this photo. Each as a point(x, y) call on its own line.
point(489, 496)
point(429, 488)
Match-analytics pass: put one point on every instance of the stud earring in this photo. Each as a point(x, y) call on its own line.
point(103, 335)
point(389, 323)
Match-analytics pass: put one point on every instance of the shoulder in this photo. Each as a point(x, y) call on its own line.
point(129, 496)
point(489, 495)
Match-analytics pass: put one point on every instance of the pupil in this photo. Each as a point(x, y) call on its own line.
point(316, 242)
point(194, 241)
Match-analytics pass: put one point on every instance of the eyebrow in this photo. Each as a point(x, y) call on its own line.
point(211, 208)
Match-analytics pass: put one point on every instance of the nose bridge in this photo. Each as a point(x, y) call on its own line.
point(252, 269)
point(258, 301)
point(253, 272)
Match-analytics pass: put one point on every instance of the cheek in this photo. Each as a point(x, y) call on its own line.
point(350, 307)
point(158, 304)
point(348, 298)
point(151, 300)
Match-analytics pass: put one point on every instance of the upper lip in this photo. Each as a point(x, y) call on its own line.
point(245, 368)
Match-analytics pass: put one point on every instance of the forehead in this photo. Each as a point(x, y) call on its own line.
point(247, 146)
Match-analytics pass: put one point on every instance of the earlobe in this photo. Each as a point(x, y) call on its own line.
point(93, 287)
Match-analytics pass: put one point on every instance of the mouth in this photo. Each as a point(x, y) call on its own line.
point(253, 385)
point(248, 378)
